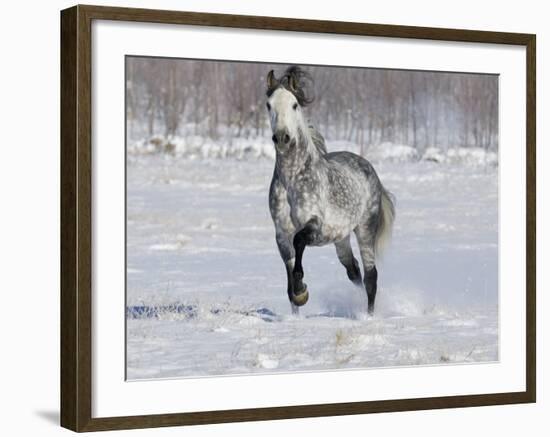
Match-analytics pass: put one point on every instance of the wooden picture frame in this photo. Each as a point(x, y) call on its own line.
point(76, 217)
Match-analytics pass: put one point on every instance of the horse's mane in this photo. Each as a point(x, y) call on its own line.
point(298, 82)
point(318, 140)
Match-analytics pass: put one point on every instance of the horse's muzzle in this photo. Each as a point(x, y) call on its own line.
point(281, 137)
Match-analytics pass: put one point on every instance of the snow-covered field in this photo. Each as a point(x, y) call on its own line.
point(206, 289)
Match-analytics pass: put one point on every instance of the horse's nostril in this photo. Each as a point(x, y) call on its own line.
point(274, 138)
point(286, 138)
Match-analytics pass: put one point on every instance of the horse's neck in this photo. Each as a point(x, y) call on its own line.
point(298, 164)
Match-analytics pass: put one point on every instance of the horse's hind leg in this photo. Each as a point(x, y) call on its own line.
point(366, 239)
point(345, 255)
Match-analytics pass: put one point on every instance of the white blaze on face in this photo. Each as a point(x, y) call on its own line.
point(284, 113)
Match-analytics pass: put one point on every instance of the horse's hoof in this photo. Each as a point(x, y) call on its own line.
point(300, 299)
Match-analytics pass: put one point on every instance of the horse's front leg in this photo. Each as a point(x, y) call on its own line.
point(306, 236)
point(286, 249)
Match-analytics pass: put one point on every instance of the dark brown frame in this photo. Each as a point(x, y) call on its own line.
point(76, 218)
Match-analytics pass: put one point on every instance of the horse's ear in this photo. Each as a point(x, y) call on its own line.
point(271, 81)
point(292, 83)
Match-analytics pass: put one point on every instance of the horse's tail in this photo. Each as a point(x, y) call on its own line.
point(385, 220)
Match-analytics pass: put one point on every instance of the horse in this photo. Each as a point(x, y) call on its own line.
point(318, 198)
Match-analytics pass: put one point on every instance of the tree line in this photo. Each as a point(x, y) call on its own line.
point(223, 100)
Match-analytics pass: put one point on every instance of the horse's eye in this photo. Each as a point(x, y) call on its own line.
point(295, 106)
point(268, 106)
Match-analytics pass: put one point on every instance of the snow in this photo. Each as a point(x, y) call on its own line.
point(197, 147)
point(393, 152)
point(462, 155)
point(206, 289)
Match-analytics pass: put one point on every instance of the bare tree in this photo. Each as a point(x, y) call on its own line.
point(365, 106)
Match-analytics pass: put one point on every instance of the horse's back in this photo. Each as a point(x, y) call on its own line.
point(352, 162)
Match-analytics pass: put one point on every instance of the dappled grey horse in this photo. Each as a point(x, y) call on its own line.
point(317, 198)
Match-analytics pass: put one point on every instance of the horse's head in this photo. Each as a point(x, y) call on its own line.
point(286, 97)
